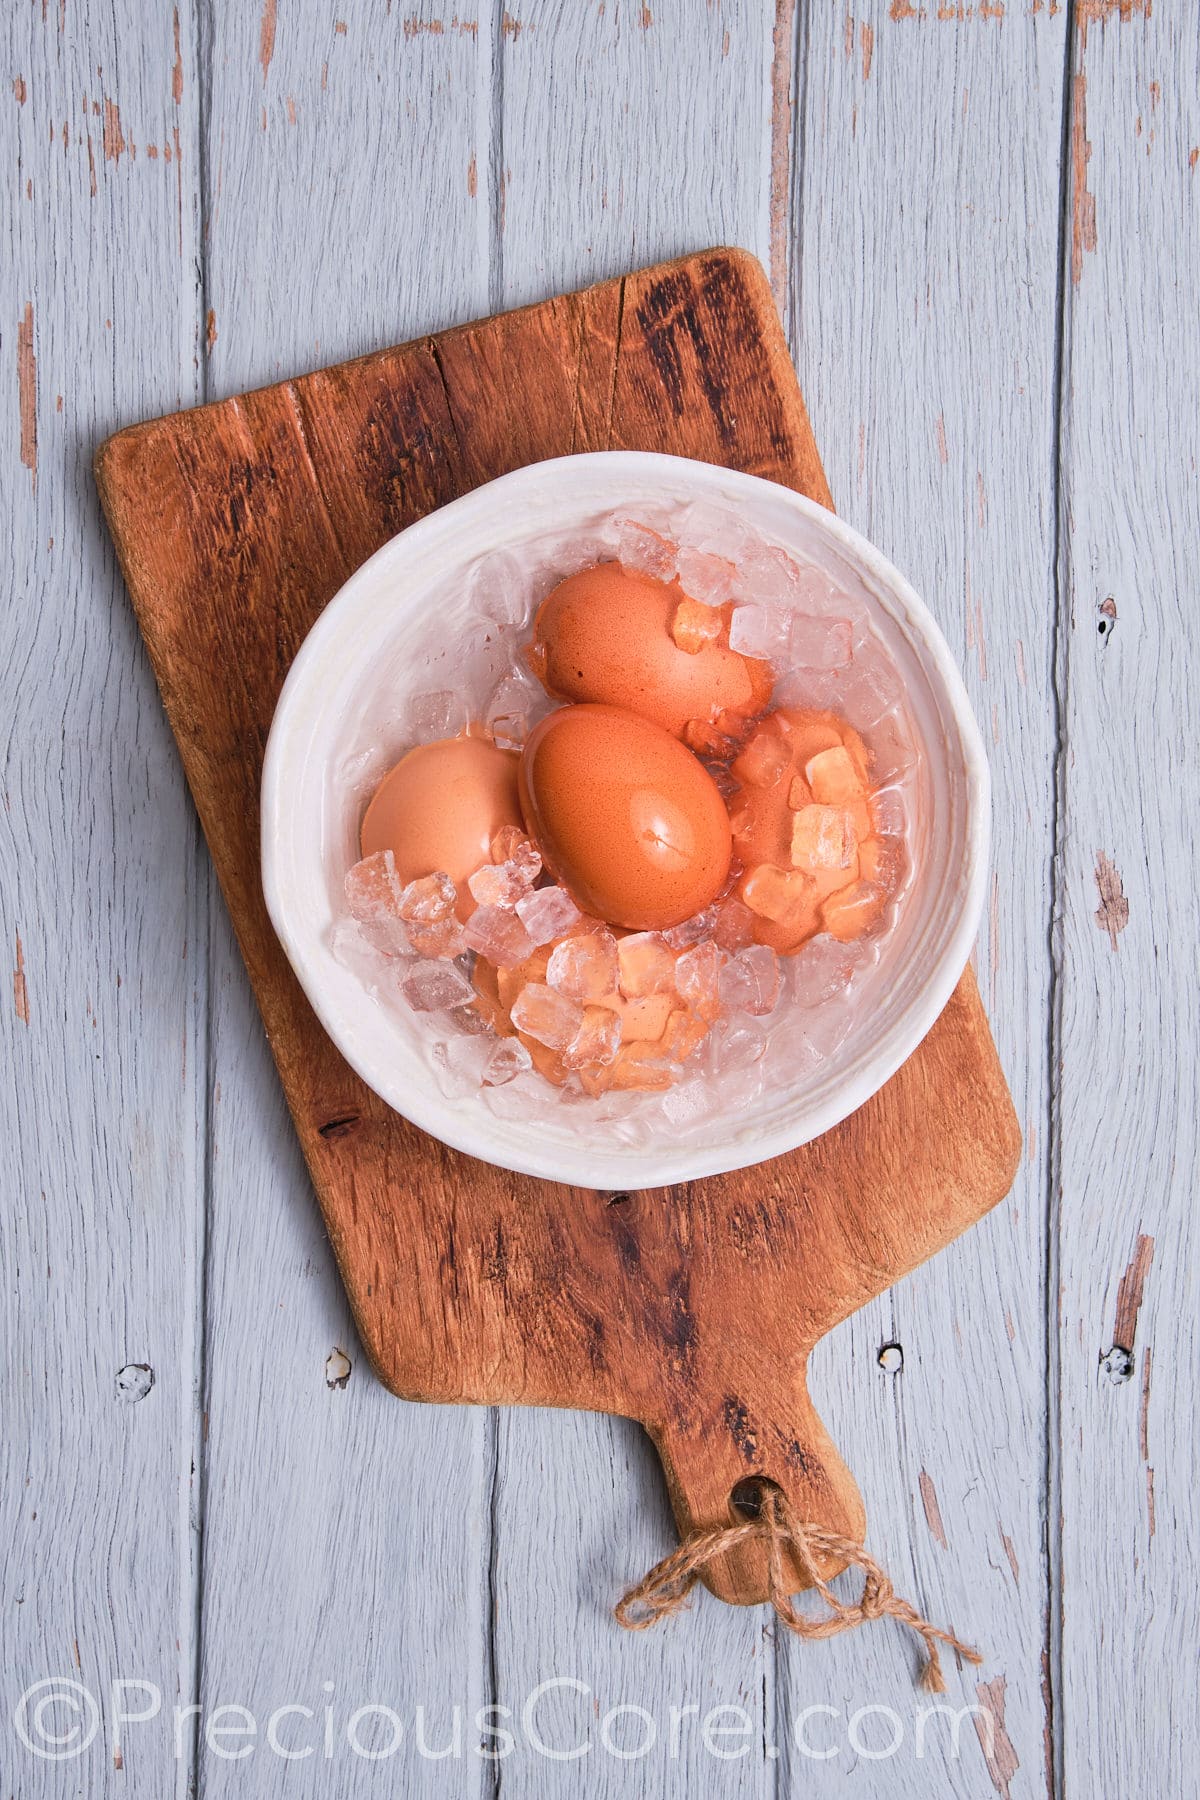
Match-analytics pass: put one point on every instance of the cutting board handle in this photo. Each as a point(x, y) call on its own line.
point(711, 1463)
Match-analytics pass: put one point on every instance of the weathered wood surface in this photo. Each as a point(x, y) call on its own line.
point(907, 202)
point(691, 1309)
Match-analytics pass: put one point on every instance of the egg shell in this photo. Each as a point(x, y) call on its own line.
point(630, 822)
point(604, 635)
point(440, 808)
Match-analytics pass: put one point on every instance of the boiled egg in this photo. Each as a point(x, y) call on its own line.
point(626, 818)
point(440, 807)
point(610, 635)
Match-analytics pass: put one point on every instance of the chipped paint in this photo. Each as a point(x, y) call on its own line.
point(210, 330)
point(114, 139)
point(980, 499)
point(27, 397)
point(940, 433)
point(20, 986)
point(1144, 1412)
point(998, 1751)
point(510, 27)
point(19, 89)
point(1083, 202)
point(1112, 914)
point(1130, 1290)
point(933, 1512)
point(413, 27)
point(646, 19)
point(177, 68)
point(1150, 1500)
point(1011, 1554)
point(472, 178)
point(1099, 12)
point(266, 36)
point(867, 40)
point(290, 106)
point(781, 147)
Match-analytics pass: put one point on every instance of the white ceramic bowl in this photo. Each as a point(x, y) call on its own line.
point(310, 819)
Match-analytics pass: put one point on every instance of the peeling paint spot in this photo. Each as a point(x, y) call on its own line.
point(1130, 1291)
point(867, 39)
point(1108, 617)
point(1112, 914)
point(337, 1368)
point(647, 19)
point(19, 89)
point(781, 147)
point(1083, 203)
point(1012, 1556)
point(1021, 675)
point(91, 166)
point(27, 391)
point(1144, 1414)
point(291, 110)
point(472, 178)
point(933, 1512)
point(998, 1751)
point(134, 1382)
point(114, 136)
point(980, 499)
point(1098, 12)
point(510, 27)
point(20, 988)
point(413, 27)
point(152, 152)
point(177, 70)
point(266, 36)
point(210, 330)
point(1150, 1500)
point(339, 26)
point(940, 433)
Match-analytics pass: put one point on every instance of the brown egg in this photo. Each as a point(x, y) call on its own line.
point(613, 636)
point(626, 818)
point(440, 808)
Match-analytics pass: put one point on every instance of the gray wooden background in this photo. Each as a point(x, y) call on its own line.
point(981, 223)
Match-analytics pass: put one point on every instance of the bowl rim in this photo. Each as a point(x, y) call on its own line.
point(433, 1112)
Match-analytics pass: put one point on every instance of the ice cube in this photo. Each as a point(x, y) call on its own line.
point(694, 625)
point(441, 714)
point(761, 631)
point(505, 1062)
point(543, 1013)
point(461, 1061)
point(870, 689)
point(427, 899)
point(768, 576)
point(647, 964)
point(691, 1100)
point(833, 777)
point(498, 884)
point(498, 589)
point(497, 934)
point(508, 712)
point(763, 760)
point(750, 981)
point(525, 1100)
point(889, 812)
point(585, 967)
point(692, 931)
point(368, 951)
point(697, 978)
point(597, 1041)
point(823, 837)
point(643, 549)
point(704, 577)
point(736, 1044)
point(893, 753)
point(783, 895)
point(685, 1032)
point(430, 986)
point(510, 845)
point(548, 913)
point(373, 889)
point(734, 927)
point(440, 938)
point(820, 972)
point(820, 643)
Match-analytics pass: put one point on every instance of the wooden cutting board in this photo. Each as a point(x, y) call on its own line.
point(694, 1308)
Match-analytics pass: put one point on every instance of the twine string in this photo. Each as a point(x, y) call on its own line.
point(665, 1589)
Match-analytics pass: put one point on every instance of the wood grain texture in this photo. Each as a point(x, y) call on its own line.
point(690, 1309)
point(926, 260)
point(1129, 692)
point(102, 1105)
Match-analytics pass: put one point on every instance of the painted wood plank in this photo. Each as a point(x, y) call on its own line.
point(1128, 938)
point(100, 1025)
point(346, 1533)
point(924, 322)
point(624, 133)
